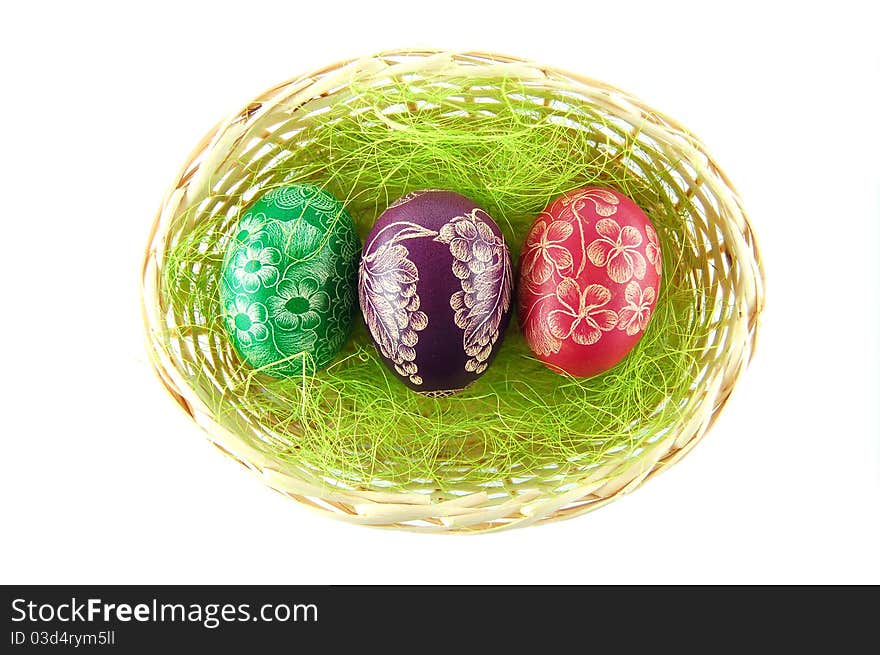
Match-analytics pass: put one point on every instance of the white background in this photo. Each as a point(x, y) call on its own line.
point(104, 480)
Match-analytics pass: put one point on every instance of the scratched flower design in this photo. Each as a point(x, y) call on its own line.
point(247, 320)
point(255, 266)
point(250, 226)
point(617, 249)
point(544, 252)
point(652, 249)
point(298, 304)
point(634, 316)
point(580, 314)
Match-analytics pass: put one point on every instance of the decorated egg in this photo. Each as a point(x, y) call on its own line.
point(589, 276)
point(288, 281)
point(435, 287)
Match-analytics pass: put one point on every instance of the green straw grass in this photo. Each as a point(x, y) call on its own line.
point(512, 148)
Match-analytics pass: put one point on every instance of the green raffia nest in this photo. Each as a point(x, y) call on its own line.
point(523, 444)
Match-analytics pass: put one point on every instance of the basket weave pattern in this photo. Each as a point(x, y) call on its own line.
point(721, 249)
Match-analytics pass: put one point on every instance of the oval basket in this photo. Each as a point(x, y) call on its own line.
point(197, 367)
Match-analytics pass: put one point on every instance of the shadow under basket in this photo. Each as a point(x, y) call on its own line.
point(315, 439)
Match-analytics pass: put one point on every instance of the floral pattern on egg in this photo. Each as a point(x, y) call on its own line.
point(288, 280)
point(589, 277)
point(435, 288)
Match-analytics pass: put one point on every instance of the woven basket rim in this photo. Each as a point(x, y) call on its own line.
point(409, 511)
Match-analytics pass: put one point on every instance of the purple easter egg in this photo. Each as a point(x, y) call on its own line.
point(435, 287)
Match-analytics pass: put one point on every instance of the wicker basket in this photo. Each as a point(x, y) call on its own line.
point(722, 239)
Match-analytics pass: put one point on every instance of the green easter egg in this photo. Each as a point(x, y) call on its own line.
point(289, 280)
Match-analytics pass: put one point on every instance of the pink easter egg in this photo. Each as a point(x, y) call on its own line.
point(590, 271)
